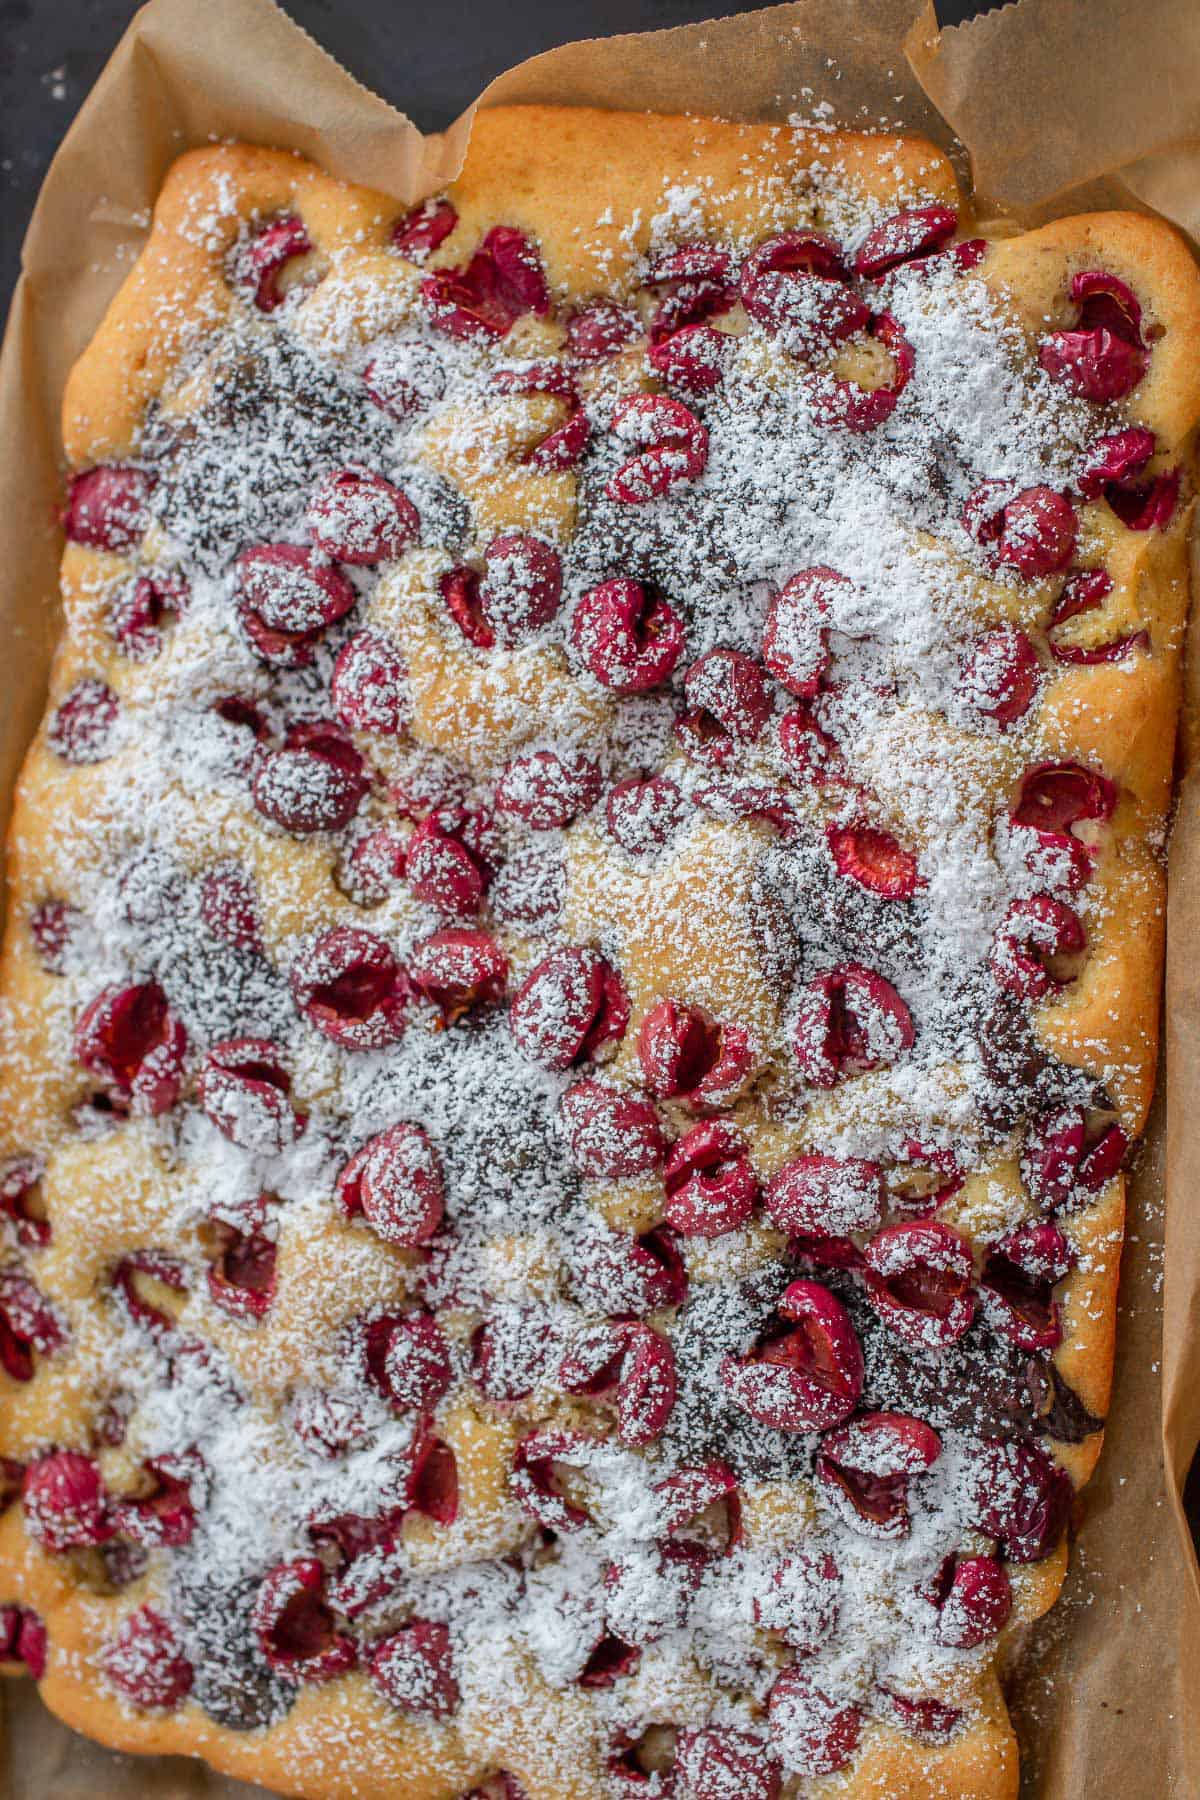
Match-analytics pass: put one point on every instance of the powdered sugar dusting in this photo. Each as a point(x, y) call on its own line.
point(828, 861)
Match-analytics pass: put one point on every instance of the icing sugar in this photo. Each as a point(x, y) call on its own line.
point(290, 1418)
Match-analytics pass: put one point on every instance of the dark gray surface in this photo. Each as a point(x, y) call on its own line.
point(430, 61)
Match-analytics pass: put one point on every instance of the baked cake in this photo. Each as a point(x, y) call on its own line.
point(582, 964)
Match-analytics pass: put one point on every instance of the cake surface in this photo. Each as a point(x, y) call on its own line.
point(582, 965)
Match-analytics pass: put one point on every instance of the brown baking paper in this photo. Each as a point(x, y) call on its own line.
point(1061, 106)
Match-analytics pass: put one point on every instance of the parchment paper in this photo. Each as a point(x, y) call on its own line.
point(1061, 105)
